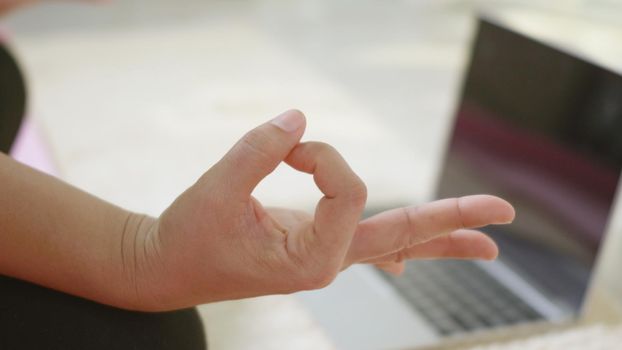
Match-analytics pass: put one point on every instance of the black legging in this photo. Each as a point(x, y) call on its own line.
point(12, 99)
point(34, 317)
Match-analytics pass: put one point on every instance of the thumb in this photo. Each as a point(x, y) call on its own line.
point(259, 152)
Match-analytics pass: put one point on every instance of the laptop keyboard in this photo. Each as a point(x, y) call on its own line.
point(458, 296)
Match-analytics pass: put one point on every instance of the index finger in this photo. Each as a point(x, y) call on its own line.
point(339, 211)
point(401, 228)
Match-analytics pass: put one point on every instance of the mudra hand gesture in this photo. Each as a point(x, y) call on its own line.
point(217, 242)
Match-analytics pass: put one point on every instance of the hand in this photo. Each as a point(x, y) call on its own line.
point(217, 242)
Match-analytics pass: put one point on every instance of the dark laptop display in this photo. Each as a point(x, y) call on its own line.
point(542, 129)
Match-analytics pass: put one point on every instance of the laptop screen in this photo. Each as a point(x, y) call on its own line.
point(542, 129)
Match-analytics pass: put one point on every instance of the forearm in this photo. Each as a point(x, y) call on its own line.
point(58, 236)
point(215, 241)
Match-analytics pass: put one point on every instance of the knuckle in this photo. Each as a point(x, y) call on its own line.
point(354, 189)
point(412, 236)
point(459, 216)
point(322, 148)
point(325, 147)
point(257, 143)
point(357, 193)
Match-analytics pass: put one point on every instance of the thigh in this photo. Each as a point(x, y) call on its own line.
point(12, 99)
point(34, 317)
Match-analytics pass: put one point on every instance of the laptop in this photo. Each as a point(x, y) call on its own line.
point(540, 128)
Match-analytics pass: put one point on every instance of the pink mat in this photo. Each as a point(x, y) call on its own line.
point(30, 148)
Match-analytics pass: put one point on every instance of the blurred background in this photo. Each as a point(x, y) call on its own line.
point(137, 98)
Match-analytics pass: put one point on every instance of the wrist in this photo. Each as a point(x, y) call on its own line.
point(140, 266)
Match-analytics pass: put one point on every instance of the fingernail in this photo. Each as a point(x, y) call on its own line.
point(289, 121)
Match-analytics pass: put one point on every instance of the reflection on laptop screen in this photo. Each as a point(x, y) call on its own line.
point(541, 129)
